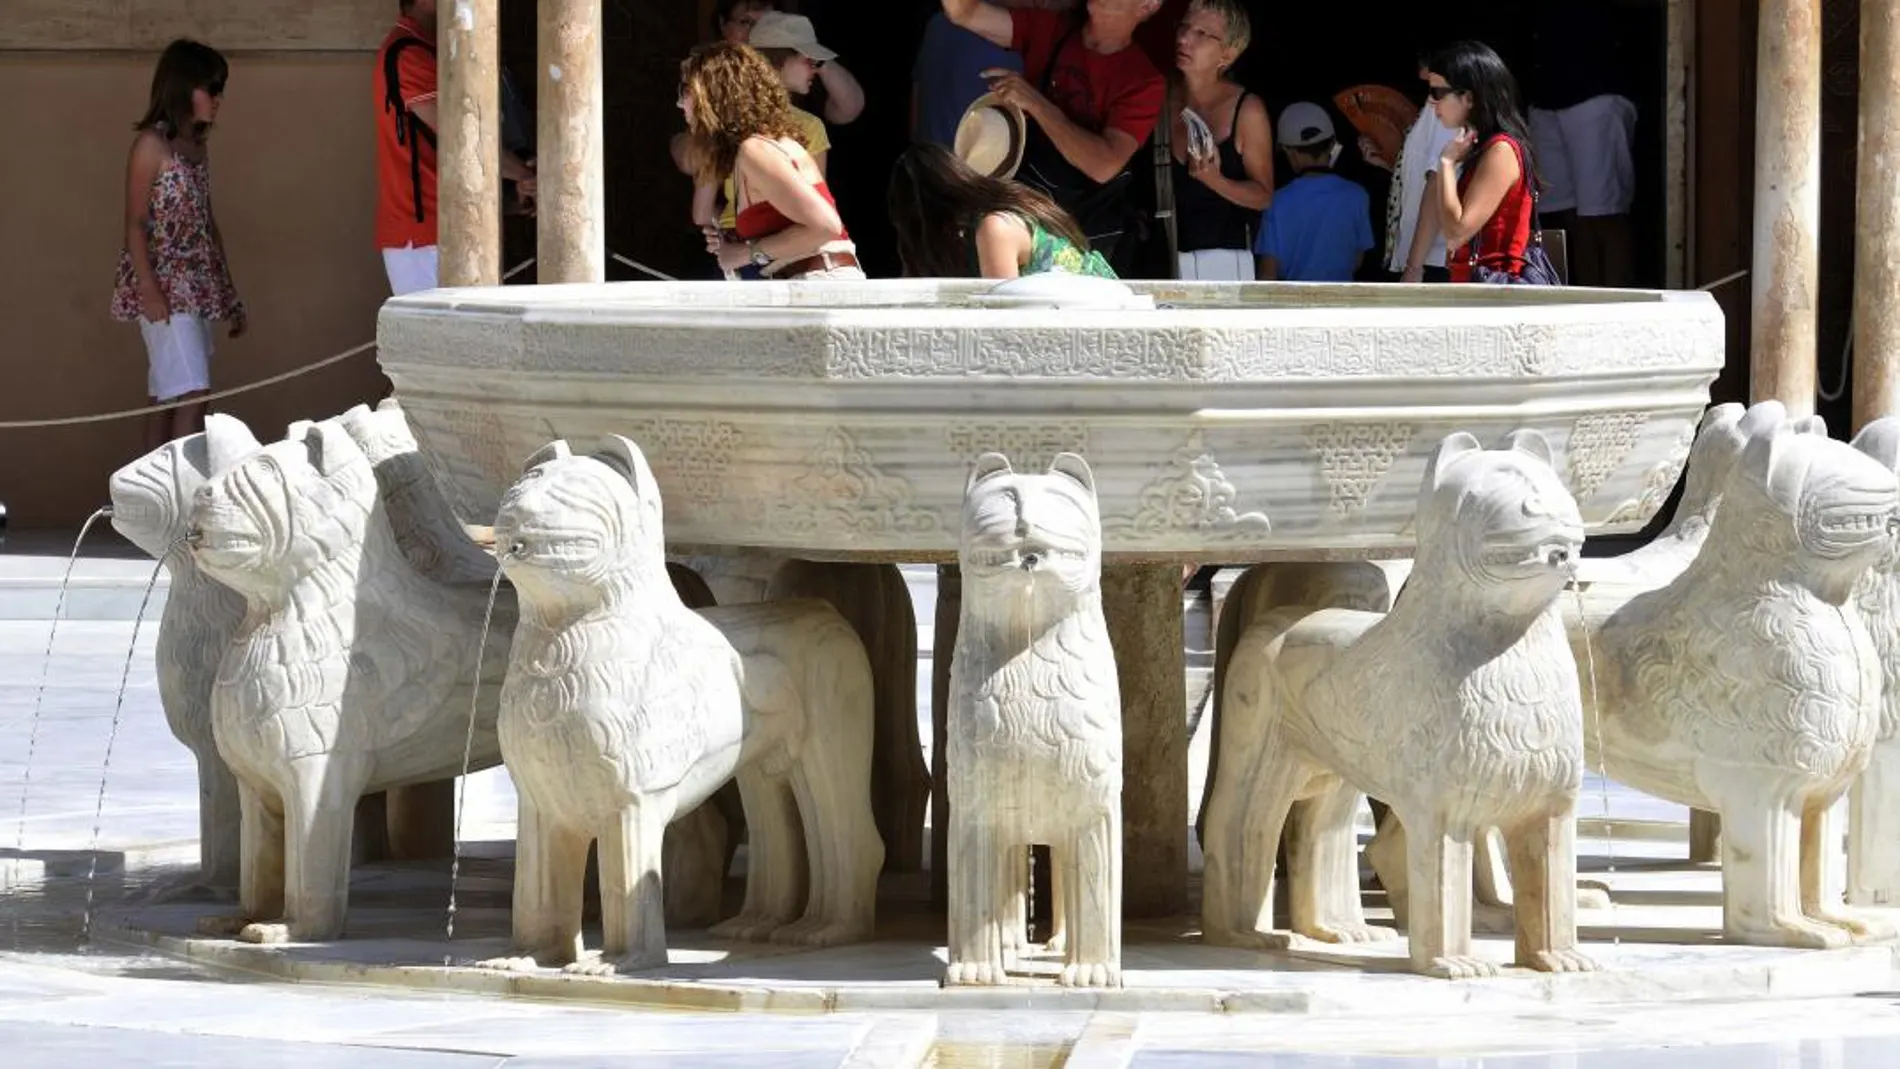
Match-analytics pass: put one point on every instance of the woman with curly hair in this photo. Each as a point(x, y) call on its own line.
point(739, 120)
point(953, 222)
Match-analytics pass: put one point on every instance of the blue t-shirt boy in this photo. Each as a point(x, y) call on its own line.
point(1319, 227)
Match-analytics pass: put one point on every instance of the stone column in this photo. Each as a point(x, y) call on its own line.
point(1143, 606)
point(1877, 222)
point(571, 210)
point(1786, 275)
point(468, 144)
point(421, 818)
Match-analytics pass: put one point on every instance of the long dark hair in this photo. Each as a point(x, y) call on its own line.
point(935, 200)
point(1496, 105)
point(185, 67)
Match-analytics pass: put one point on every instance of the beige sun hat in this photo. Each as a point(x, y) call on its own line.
point(990, 137)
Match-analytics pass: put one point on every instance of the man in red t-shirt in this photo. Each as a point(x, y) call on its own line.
point(1092, 96)
point(405, 151)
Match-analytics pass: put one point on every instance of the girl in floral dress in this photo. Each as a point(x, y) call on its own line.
point(952, 222)
point(174, 280)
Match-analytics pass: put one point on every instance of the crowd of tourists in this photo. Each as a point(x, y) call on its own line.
point(1028, 121)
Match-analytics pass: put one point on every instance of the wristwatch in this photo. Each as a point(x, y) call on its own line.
point(759, 257)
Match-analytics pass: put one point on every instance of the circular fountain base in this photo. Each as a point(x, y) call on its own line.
point(1666, 950)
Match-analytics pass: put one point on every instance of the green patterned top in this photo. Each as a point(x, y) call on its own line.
point(1051, 252)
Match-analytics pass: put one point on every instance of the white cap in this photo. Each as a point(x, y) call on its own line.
point(776, 29)
point(1305, 123)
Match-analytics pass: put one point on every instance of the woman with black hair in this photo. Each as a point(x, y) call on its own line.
point(173, 278)
point(953, 222)
point(1486, 209)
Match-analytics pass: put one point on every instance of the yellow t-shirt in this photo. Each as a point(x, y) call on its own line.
point(811, 131)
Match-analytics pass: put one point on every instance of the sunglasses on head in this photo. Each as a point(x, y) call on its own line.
point(1440, 92)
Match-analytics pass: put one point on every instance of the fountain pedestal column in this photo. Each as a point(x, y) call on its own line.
point(1142, 603)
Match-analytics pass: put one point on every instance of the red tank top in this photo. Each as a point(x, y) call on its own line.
point(762, 219)
point(1501, 242)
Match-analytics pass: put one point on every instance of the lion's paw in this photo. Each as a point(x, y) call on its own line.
point(1567, 960)
point(1090, 974)
point(1351, 933)
point(821, 933)
point(265, 933)
point(521, 963)
point(1459, 967)
point(748, 927)
point(974, 974)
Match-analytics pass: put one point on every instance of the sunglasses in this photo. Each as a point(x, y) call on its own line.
point(216, 88)
point(1440, 92)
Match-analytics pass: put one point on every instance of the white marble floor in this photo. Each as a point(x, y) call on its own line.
point(64, 1001)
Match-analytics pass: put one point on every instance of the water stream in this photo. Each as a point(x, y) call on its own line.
point(112, 738)
point(468, 753)
point(39, 695)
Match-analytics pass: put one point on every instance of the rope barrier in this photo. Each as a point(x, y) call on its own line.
point(128, 413)
point(131, 413)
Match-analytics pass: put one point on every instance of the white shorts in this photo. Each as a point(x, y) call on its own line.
point(1585, 155)
point(1217, 265)
point(177, 356)
point(410, 270)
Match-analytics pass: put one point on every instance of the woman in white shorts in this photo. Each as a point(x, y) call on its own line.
point(173, 278)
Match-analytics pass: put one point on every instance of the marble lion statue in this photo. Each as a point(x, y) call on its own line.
point(1034, 725)
point(1747, 687)
point(624, 709)
point(151, 507)
point(1459, 707)
point(1725, 430)
point(352, 673)
point(1873, 828)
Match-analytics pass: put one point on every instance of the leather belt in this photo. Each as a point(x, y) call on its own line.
point(824, 261)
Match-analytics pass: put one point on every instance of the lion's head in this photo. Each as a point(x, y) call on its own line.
point(285, 510)
point(1038, 531)
point(573, 526)
point(1826, 508)
point(1499, 520)
point(152, 496)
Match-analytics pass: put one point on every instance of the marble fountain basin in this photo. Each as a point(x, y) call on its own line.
point(1250, 422)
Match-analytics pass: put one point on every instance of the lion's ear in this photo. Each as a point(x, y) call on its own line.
point(227, 441)
point(625, 457)
point(555, 450)
point(986, 467)
point(332, 450)
point(1881, 440)
point(1073, 466)
point(1456, 445)
point(1532, 442)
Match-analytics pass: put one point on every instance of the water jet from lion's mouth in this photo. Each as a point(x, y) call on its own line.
point(1029, 561)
